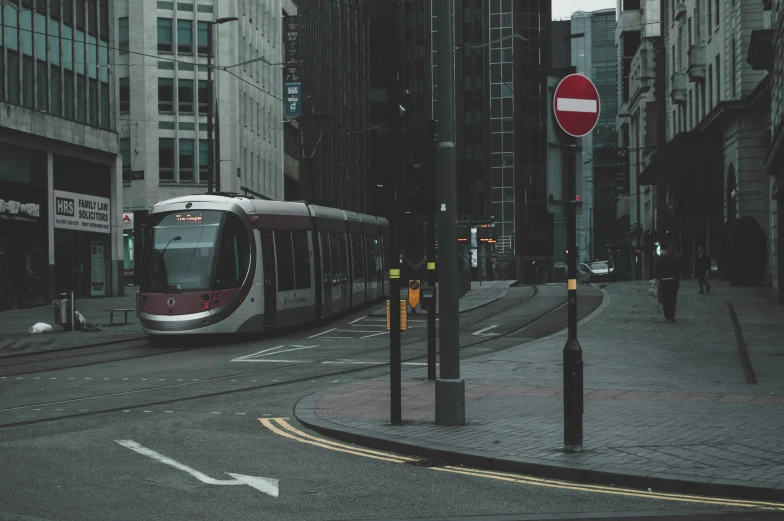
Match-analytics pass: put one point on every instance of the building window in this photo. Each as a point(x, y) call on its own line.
point(165, 95)
point(185, 96)
point(125, 95)
point(54, 104)
point(123, 36)
point(733, 79)
point(185, 36)
point(709, 20)
point(81, 98)
point(716, 9)
point(204, 97)
point(68, 94)
point(203, 161)
point(27, 83)
point(104, 20)
point(187, 162)
point(710, 87)
point(201, 30)
point(165, 35)
point(125, 152)
point(166, 159)
point(105, 120)
point(93, 103)
point(42, 86)
point(718, 75)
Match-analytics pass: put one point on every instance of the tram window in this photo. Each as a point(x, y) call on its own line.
point(326, 260)
point(358, 256)
point(234, 254)
point(334, 248)
point(285, 260)
point(343, 257)
point(301, 259)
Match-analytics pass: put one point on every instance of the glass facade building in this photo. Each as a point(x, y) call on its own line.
point(55, 59)
point(594, 55)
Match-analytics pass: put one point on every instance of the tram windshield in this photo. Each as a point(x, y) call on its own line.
point(180, 250)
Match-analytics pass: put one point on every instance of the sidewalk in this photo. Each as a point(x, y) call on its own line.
point(15, 339)
point(667, 406)
point(481, 293)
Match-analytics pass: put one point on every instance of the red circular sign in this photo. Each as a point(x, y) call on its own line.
point(576, 105)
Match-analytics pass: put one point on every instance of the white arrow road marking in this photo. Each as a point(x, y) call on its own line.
point(323, 332)
point(488, 328)
point(268, 486)
point(576, 105)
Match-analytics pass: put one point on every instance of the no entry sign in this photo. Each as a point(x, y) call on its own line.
point(576, 105)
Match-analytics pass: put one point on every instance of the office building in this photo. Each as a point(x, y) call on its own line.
point(60, 169)
point(334, 121)
point(717, 126)
point(593, 54)
point(163, 102)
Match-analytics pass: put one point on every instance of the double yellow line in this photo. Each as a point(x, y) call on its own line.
point(282, 428)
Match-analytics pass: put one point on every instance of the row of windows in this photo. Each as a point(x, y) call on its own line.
point(55, 91)
point(93, 13)
point(166, 28)
point(167, 150)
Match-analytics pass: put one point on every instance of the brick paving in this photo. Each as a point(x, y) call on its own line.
point(659, 397)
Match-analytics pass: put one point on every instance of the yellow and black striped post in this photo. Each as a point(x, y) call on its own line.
point(431, 322)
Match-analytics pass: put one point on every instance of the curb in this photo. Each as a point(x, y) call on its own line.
point(305, 412)
point(384, 313)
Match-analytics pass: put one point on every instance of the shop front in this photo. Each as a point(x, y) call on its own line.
point(23, 245)
point(82, 227)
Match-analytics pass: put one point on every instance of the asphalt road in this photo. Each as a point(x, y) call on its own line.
point(185, 431)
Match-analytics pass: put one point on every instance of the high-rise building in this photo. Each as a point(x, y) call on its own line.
point(334, 124)
point(164, 101)
point(500, 104)
point(60, 172)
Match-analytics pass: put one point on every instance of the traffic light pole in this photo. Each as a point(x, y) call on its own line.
point(572, 352)
point(430, 252)
point(450, 388)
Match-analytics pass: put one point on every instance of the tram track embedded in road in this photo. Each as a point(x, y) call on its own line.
point(277, 368)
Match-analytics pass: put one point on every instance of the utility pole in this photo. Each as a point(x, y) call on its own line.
point(210, 97)
point(399, 142)
point(450, 388)
point(430, 249)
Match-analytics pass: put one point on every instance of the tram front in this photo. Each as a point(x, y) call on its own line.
point(198, 268)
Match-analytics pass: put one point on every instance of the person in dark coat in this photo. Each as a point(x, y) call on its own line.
point(702, 265)
point(668, 273)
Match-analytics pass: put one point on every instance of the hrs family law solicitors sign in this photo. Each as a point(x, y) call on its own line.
point(86, 213)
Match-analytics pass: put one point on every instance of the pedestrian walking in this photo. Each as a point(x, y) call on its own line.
point(703, 265)
point(668, 273)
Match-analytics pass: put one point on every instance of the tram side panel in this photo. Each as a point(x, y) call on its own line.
point(294, 269)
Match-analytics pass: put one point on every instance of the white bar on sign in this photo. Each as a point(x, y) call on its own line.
point(576, 105)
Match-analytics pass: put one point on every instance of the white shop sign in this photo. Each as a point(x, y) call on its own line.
point(86, 213)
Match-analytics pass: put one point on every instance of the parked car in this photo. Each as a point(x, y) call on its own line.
point(602, 270)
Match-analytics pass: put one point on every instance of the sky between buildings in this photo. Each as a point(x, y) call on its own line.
point(563, 9)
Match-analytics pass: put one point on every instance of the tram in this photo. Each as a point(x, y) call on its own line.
point(230, 264)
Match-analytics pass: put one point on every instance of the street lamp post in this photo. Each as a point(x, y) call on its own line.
point(210, 101)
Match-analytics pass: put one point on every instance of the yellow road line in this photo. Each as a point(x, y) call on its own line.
point(530, 480)
point(283, 423)
point(288, 431)
point(268, 424)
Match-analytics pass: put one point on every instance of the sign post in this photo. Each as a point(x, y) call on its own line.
point(576, 107)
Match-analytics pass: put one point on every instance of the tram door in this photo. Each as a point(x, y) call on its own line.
point(270, 279)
